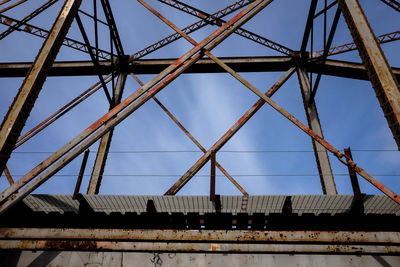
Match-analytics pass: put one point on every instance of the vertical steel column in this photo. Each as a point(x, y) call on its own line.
point(81, 173)
point(353, 177)
point(379, 72)
point(23, 103)
point(102, 153)
point(321, 154)
point(212, 176)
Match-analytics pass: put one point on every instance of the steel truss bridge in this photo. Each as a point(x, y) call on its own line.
point(324, 224)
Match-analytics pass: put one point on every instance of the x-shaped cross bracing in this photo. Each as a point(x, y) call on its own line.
point(68, 152)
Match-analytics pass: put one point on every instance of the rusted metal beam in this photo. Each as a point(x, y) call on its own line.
point(194, 140)
point(320, 152)
point(8, 175)
point(308, 131)
point(264, 236)
point(80, 175)
point(12, 6)
point(4, 2)
point(353, 177)
point(384, 38)
point(105, 142)
point(152, 66)
point(169, 23)
point(27, 18)
point(200, 163)
point(30, 88)
point(59, 113)
point(196, 247)
point(174, 70)
point(322, 159)
point(381, 76)
point(343, 69)
point(225, 138)
point(239, 64)
point(358, 203)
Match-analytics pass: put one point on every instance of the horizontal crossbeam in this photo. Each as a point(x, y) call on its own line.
point(240, 64)
point(360, 237)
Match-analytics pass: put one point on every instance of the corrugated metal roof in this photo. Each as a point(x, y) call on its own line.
point(315, 204)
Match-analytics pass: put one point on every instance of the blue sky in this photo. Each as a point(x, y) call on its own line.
point(208, 105)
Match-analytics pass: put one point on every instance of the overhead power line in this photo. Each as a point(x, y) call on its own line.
point(222, 151)
point(208, 175)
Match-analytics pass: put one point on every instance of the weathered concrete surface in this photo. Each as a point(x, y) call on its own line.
point(137, 259)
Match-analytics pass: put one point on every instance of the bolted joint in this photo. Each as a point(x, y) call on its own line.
point(122, 63)
point(352, 164)
point(301, 58)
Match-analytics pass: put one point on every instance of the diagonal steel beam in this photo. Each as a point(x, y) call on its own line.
point(191, 28)
point(27, 18)
point(393, 4)
point(169, 23)
point(173, 26)
point(23, 103)
point(194, 140)
point(10, 196)
point(4, 2)
point(381, 75)
point(383, 38)
point(319, 13)
point(316, 137)
point(31, 29)
point(59, 113)
point(228, 135)
point(325, 54)
point(94, 59)
point(113, 27)
point(240, 31)
point(309, 23)
point(12, 6)
point(312, 134)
